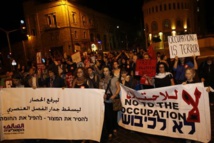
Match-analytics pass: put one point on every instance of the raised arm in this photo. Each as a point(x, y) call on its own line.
point(175, 63)
point(195, 62)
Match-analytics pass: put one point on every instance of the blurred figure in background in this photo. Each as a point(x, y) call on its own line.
point(206, 75)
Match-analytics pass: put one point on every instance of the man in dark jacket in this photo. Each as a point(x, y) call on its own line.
point(54, 80)
point(206, 75)
point(206, 72)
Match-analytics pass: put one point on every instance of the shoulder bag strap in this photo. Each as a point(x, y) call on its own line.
point(108, 87)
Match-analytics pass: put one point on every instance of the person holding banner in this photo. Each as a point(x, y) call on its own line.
point(80, 80)
point(126, 79)
point(54, 80)
point(180, 65)
point(93, 77)
point(163, 77)
point(189, 75)
point(112, 89)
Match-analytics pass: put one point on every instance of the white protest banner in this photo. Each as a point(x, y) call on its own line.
point(183, 45)
point(51, 113)
point(76, 57)
point(180, 111)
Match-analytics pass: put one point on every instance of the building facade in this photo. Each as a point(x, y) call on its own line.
point(63, 26)
point(167, 18)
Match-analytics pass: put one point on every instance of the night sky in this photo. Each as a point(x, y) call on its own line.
point(127, 10)
point(11, 13)
point(122, 9)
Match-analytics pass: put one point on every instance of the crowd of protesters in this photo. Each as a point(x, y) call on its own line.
point(109, 70)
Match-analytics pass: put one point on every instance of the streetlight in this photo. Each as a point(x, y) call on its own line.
point(8, 38)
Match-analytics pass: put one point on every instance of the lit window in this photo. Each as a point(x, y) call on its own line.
point(74, 17)
point(83, 20)
point(54, 19)
point(49, 20)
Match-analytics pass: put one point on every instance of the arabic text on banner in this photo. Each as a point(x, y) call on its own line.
point(180, 111)
point(51, 113)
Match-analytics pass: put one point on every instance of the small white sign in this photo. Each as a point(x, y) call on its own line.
point(76, 57)
point(183, 45)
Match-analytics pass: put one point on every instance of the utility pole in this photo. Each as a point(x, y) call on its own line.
point(8, 38)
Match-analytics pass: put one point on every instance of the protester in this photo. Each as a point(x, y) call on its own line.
point(101, 74)
point(206, 72)
point(164, 58)
point(206, 75)
point(31, 79)
point(163, 77)
point(125, 79)
point(6, 81)
point(180, 65)
point(93, 78)
point(112, 88)
point(116, 69)
point(190, 76)
point(133, 66)
point(146, 56)
point(54, 80)
point(98, 67)
point(106, 62)
point(123, 64)
point(81, 80)
point(17, 80)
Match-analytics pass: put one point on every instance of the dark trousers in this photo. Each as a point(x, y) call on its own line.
point(110, 119)
point(211, 97)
